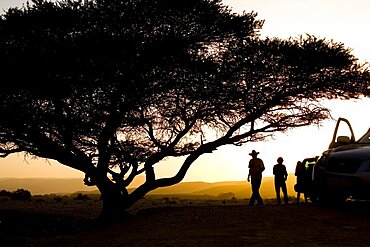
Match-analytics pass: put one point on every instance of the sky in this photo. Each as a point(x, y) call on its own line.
point(343, 21)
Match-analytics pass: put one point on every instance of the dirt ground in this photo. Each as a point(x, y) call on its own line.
point(184, 223)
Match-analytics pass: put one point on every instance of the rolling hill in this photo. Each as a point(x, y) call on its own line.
point(240, 189)
point(40, 186)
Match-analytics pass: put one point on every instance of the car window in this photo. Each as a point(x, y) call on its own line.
point(365, 139)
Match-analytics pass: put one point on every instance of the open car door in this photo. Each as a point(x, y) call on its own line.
point(342, 140)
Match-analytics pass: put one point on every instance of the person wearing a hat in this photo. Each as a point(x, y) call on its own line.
point(256, 167)
point(281, 176)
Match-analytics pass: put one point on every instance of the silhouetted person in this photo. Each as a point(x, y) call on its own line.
point(300, 186)
point(256, 167)
point(309, 164)
point(281, 176)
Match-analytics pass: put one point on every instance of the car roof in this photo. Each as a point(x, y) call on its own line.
point(310, 159)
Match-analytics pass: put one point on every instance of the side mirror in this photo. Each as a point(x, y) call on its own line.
point(343, 140)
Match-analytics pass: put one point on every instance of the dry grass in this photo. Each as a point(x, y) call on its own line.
point(174, 221)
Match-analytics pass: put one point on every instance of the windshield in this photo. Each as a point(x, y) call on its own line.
point(365, 139)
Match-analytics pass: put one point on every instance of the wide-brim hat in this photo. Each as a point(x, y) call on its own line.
point(254, 152)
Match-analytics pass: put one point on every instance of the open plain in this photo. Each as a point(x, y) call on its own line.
point(165, 221)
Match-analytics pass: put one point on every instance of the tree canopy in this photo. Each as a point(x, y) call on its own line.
point(112, 87)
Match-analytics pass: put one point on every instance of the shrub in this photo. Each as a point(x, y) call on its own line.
point(58, 199)
point(81, 197)
point(5, 193)
point(21, 195)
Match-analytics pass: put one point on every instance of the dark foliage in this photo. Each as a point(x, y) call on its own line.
point(19, 194)
point(81, 197)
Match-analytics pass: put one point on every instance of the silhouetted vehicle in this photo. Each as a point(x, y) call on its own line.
point(343, 170)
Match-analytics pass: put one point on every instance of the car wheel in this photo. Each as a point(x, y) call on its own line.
point(332, 198)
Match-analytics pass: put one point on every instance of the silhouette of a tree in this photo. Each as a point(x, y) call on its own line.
point(111, 88)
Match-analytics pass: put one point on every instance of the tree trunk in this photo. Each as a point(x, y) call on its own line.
point(114, 199)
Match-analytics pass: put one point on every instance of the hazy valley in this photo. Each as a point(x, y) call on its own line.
point(239, 189)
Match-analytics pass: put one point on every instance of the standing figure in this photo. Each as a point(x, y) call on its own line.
point(300, 186)
point(256, 167)
point(281, 176)
point(309, 186)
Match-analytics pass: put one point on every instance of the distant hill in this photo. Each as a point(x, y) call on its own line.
point(240, 189)
point(41, 186)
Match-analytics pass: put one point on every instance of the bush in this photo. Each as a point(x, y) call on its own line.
point(21, 195)
point(58, 199)
point(5, 193)
point(81, 197)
